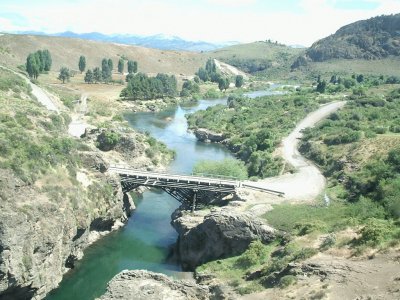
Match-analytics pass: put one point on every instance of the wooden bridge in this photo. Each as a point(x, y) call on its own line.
point(193, 191)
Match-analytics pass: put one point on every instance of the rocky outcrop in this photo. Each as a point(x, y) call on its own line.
point(44, 231)
point(218, 234)
point(208, 136)
point(145, 285)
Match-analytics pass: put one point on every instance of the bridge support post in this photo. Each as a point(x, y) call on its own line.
point(194, 200)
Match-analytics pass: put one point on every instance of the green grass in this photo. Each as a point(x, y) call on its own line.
point(10, 81)
point(233, 270)
point(306, 218)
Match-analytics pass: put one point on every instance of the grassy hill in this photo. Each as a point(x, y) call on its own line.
point(66, 51)
point(365, 47)
point(259, 57)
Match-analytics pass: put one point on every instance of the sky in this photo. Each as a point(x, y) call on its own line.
point(292, 22)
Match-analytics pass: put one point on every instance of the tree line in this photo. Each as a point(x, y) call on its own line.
point(38, 63)
point(104, 74)
point(142, 87)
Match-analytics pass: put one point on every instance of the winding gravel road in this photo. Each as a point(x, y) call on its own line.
point(307, 182)
point(38, 92)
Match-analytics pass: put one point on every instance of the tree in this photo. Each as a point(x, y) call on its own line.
point(132, 66)
point(223, 83)
point(360, 78)
point(321, 87)
point(64, 74)
point(121, 63)
point(239, 81)
point(32, 66)
point(97, 76)
point(47, 60)
point(105, 70)
point(203, 75)
point(40, 60)
point(110, 65)
point(189, 88)
point(82, 63)
point(89, 77)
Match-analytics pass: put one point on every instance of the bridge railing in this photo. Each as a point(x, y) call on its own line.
point(202, 176)
point(207, 175)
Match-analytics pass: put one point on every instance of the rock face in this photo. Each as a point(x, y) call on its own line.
point(221, 233)
point(41, 236)
point(145, 285)
point(206, 135)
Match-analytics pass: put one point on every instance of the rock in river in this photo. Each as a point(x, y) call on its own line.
point(145, 285)
point(219, 234)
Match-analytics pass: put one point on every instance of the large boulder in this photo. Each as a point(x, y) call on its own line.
point(221, 233)
point(145, 285)
point(206, 135)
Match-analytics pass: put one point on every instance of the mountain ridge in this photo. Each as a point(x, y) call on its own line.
point(157, 41)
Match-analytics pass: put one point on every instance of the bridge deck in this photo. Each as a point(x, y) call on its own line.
point(173, 181)
point(176, 181)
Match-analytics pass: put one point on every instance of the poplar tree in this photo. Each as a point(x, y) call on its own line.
point(121, 66)
point(82, 63)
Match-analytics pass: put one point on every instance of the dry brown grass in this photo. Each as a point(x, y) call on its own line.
point(66, 52)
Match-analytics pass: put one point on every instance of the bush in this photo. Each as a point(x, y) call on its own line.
point(107, 140)
point(309, 227)
point(328, 242)
point(287, 280)
point(375, 232)
point(252, 256)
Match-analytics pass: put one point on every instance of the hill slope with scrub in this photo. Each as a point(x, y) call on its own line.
point(66, 52)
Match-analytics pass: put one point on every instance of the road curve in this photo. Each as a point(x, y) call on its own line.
point(307, 182)
point(78, 125)
point(38, 92)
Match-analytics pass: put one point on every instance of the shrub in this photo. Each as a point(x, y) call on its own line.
point(227, 167)
point(107, 140)
point(328, 242)
point(287, 280)
point(375, 232)
point(309, 226)
point(252, 256)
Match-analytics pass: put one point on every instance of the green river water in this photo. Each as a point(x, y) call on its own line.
point(147, 239)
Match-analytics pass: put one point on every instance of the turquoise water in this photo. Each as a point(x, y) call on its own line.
point(146, 241)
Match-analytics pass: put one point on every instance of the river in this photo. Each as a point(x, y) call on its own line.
point(147, 239)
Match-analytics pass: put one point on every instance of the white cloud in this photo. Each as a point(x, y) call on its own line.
point(232, 2)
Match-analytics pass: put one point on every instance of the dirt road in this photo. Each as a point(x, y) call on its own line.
point(78, 124)
point(307, 182)
point(39, 93)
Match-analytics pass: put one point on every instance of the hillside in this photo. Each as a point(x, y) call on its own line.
point(371, 39)
point(258, 57)
point(158, 41)
point(66, 51)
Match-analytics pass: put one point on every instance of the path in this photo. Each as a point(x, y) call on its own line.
point(308, 182)
point(78, 124)
point(38, 92)
point(228, 69)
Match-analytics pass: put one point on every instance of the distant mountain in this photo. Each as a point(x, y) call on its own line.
point(370, 39)
point(159, 41)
